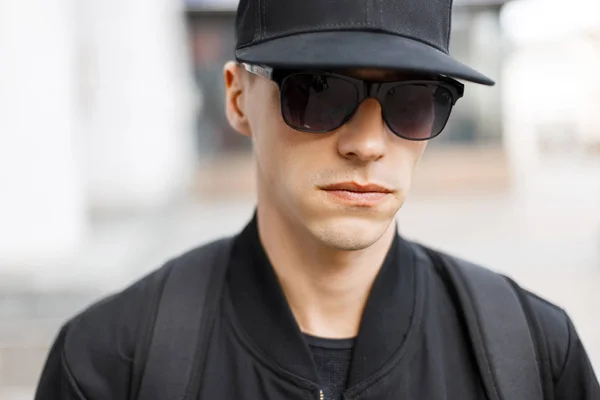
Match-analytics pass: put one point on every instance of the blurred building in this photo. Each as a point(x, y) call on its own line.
point(552, 107)
point(96, 109)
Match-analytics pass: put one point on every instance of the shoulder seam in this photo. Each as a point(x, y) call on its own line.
point(568, 352)
point(528, 293)
point(71, 379)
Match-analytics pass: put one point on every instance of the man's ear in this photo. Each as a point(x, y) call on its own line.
point(235, 91)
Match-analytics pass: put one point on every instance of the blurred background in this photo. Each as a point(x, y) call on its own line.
point(115, 155)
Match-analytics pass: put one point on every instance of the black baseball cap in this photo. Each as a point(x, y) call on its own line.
point(408, 35)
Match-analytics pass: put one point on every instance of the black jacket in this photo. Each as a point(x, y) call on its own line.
point(412, 342)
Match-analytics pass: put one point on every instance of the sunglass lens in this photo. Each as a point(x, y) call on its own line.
point(317, 102)
point(417, 112)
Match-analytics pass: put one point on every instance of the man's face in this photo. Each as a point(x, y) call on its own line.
point(295, 167)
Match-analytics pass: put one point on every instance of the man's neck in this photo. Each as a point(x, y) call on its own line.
point(327, 289)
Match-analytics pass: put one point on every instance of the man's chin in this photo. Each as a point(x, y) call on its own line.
point(350, 233)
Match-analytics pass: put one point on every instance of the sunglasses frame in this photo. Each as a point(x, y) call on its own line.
point(366, 89)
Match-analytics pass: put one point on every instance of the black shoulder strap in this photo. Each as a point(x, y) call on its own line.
point(176, 325)
point(499, 330)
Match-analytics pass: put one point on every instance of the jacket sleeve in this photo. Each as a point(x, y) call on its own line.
point(572, 374)
point(57, 382)
point(576, 380)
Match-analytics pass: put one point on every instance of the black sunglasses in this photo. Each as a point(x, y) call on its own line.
point(321, 102)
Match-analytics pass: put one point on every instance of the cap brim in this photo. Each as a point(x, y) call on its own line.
point(357, 49)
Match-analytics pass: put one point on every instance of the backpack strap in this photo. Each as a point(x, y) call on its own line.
point(540, 339)
point(176, 324)
point(499, 329)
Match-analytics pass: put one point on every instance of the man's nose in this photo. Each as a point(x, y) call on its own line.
point(365, 137)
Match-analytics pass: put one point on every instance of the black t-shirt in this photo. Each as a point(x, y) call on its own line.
point(332, 359)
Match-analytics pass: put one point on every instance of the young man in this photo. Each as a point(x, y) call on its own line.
point(319, 297)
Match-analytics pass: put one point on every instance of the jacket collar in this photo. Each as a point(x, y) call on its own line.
point(265, 316)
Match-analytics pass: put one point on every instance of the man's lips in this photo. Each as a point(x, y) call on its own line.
point(365, 195)
point(357, 187)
